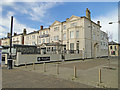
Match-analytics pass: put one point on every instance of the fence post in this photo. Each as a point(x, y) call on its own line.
point(99, 75)
point(33, 66)
point(44, 67)
point(75, 73)
point(57, 68)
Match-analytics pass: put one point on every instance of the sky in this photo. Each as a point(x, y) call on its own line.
point(31, 15)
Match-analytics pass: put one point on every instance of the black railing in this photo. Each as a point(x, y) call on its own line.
point(39, 51)
point(33, 51)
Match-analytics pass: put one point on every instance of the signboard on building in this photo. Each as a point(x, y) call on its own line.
point(43, 59)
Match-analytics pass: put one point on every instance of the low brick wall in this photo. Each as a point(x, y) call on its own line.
point(30, 58)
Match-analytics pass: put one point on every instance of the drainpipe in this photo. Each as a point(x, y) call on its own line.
point(91, 38)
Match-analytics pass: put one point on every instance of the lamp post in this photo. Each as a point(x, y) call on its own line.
point(9, 64)
point(118, 35)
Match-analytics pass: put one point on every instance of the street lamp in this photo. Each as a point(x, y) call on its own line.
point(112, 41)
point(114, 22)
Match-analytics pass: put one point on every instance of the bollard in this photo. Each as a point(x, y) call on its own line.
point(25, 65)
point(99, 75)
point(44, 67)
point(75, 72)
point(57, 68)
point(109, 63)
point(33, 66)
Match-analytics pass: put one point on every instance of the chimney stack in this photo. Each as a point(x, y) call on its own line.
point(8, 35)
point(41, 27)
point(67, 19)
point(98, 22)
point(15, 34)
point(24, 31)
point(88, 14)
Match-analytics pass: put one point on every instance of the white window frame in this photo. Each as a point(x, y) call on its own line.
point(64, 36)
point(43, 40)
point(77, 34)
point(64, 27)
point(71, 34)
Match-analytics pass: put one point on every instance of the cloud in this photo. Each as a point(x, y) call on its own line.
point(35, 10)
point(17, 26)
point(112, 29)
point(7, 3)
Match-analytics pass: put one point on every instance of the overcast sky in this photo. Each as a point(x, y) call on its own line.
point(31, 15)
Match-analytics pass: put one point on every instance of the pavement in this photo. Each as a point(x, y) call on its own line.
point(46, 75)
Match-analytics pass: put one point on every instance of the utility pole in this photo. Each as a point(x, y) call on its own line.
point(10, 54)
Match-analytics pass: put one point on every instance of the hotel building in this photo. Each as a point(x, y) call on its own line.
point(74, 35)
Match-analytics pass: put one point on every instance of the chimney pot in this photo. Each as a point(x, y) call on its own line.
point(24, 31)
point(98, 22)
point(67, 19)
point(8, 35)
point(15, 34)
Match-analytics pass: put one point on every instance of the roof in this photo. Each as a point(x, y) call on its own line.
point(12, 36)
point(32, 33)
point(90, 20)
point(113, 43)
point(5, 38)
point(18, 34)
point(77, 17)
point(44, 29)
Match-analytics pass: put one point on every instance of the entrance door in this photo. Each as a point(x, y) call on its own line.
point(43, 50)
point(71, 47)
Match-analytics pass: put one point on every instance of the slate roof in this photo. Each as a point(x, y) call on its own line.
point(113, 43)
